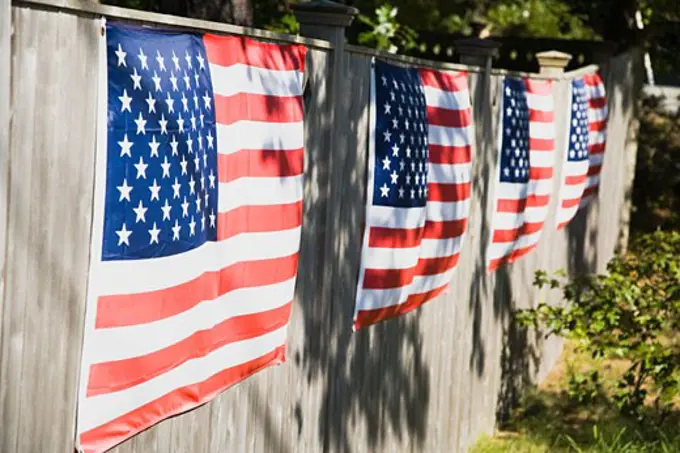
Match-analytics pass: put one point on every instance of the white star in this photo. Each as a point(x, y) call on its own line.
point(161, 61)
point(388, 108)
point(154, 232)
point(156, 81)
point(201, 116)
point(210, 140)
point(140, 211)
point(193, 121)
point(387, 135)
point(121, 56)
point(384, 191)
point(395, 123)
point(142, 59)
point(394, 177)
point(417, 179)
point(401, 110)
point(392, 96)
point(141, 124)
point(192, 185)
point(384, 80)
point(206, 196)
point(187, 57)
point(153, 144)
point(198, 203)
point(183, 164)
point(192, 227)
point(151, 102)
point(126, 102)
point(206, 101)
point(205, 158)
point(201, 61)
point(413, 193)
point(406, 123)
point(163, 123)
point(203, 222)
point(185, 103)
point(171, 103)
point(124, 191)
point(395, 150)
point(175, 189)
point(396, 85)
point(175, 60)
point(180, 122)
point(386, 163)
point(402, 164)
point(195, 101)
point(175, 231)
point(155, 191)
point(141, 168)
point(185, 207)
point(408, 151)
point(211, 177)
point(212, 219)
point(187, 81)
point(190, 144)
point(125, 146)
point(196, 78)
point(196, 159)
point(166, 210)
point(173, 81)
point(173, 144)
point(508, 91)
point(401, 192)
point(123, 235)
point(402, 137)
point(408, 179)
point(166, 167)
point(200, 141)
point(136, 80)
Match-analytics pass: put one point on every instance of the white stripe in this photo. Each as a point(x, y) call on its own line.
point(259, 192)
point(597, 114)
point(540, 102)
point(595, 159)
point(596, 137)
point(136, 276)
point(242, 78)
point(542, 130)
point(448, 173)
point(259, 135)
point(542, 159)
point(437, 248)
point(515, 191)
point(572, 192)
point(98, 410)
point(452, 100)
point(448, 136)
point(575, 168)
point(389, 258)
point(511, 220)
point(566, 214)
point(442, 211)
point(388, 217)
point(133, 341)
point(593, 181)
point(372, 299)
point(501, 249)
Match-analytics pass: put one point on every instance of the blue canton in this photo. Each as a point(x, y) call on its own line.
point(401, 131)
point(161, 169)
point(515, 142)
point(578, 127)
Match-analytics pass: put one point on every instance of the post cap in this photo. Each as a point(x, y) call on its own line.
point(552, 61)
point(324, 12)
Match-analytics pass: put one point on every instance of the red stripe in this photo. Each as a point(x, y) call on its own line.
point(231, 50)
point(571, 202)
point(443, 80)
point(367, 317)
point(131, 309)
point(450, 154)
point(395, 238)
point(563, 224)
point(594, 170)
point(597, 103)
point(592, 79)
point(541, 144)
point(540, 87)
point(102, 438)
point(597, 148)
point(519, 205)
point(512, 257)
point(513, 234)
point(539, 173)
point(448, 192)
point(257, 107)
point(437, 116)
point(109, 377)
point(388, 278)
point(260, 163)
point(541, 116)
point(434, 266)
point(590, 191)
point(259, 219)
point(575, 180)
point(448, 229)
point(597, 126)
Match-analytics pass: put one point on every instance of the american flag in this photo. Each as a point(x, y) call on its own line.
point(197, 224)
point(526, 159)
point(597, 121)
point(418, 196)
point(576, 166)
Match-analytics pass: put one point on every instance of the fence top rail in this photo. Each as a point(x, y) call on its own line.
point(460, 67)
point(83, 7)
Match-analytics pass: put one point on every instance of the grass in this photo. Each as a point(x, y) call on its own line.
point(549, 421)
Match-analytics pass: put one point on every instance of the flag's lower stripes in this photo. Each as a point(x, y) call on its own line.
point(515, 205)
point(257, 107)
point(115, 376)
point(260, 163)
point(139, 276)
point(452, 100)
point(230, 50)
point(449, 136)
point(395, 277)
point(443, 173)
point(499, 250)
point(253, 191)
point(510, 220)
point(438, 116)
point(259, 135)
point(120, 343)
point(512, 234)
point(440, 154)
point(511, 257)
point(259, 219)
point(400, 258)
point(106, 432)
point(448, 192)
point(242, 78)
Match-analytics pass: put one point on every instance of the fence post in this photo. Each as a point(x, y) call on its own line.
point(476, 51)
point(553, 62)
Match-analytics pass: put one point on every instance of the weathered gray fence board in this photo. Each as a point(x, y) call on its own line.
point(433, 380)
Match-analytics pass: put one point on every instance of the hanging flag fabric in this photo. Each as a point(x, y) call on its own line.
point(525, 169)
point(597, 118)
point(198, 208)
point(575, 173)
point(418, 195)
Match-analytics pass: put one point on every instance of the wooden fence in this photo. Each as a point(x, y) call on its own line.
point(430, 381)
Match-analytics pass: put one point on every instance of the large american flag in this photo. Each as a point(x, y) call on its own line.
point(597, 121)
point(198, 207)
point(525, 169)
point(418, 196)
